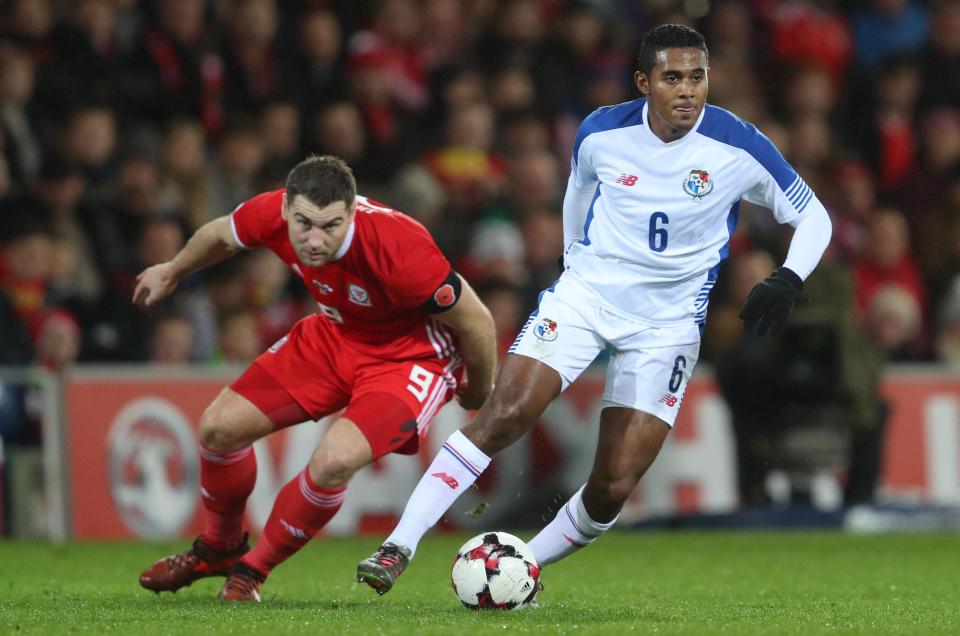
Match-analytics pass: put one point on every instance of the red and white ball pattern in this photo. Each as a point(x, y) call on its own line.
point(495, 570)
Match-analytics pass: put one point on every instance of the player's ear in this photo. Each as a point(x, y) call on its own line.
point(643, 85)
point(283, 206)
point(352, 212)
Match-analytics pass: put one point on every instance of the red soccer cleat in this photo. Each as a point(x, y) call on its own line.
point(243, 584)
point(180, 570)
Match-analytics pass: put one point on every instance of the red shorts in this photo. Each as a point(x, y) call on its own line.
point(314, 371)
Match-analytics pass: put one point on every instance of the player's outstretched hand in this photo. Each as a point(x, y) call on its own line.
point(771, 301)
point(154, 284)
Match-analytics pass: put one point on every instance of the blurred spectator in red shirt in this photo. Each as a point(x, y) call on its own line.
point(851, 199)
point(34, 330)
point(808, 32)
point(393, 45)
point(891, 137)
point(886, 261)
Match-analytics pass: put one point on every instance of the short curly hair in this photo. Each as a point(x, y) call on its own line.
point(667, 36)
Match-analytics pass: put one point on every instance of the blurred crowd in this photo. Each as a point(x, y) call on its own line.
point(126, 124)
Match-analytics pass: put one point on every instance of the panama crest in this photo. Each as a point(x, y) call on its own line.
point(546, 330)
point(698, 184)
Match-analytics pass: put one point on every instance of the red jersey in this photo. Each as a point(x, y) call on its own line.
point(386, 270)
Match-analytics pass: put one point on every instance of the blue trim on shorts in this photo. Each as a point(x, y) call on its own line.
point(532, 316)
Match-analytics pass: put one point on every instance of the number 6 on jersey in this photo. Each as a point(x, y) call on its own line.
point(658, 234)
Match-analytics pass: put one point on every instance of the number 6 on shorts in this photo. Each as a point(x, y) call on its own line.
point(676, 378)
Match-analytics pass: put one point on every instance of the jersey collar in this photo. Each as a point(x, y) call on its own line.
point(347, 240)
point(652, 138)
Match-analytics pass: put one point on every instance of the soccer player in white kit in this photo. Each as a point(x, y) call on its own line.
point(653, 198)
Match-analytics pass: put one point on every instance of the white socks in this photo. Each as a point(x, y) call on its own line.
point(569, 531)
point(458, 464)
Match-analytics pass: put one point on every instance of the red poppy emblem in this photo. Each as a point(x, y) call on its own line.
point(444, 296)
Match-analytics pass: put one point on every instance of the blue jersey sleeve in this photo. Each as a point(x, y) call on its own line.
point(778, 185)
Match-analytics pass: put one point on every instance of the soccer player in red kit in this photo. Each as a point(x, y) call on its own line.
point(396, 331)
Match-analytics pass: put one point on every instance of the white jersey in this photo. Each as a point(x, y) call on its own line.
point(647, 223)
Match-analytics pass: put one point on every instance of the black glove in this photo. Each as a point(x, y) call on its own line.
point(771, 301)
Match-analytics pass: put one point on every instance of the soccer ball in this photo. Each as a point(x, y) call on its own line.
point(495, 570)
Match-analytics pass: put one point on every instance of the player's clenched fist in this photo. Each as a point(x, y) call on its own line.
point(770, 302)
point(154, 284)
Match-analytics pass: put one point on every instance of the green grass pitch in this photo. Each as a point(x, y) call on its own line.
point(671, 583)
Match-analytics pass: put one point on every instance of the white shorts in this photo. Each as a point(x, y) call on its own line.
point(649, 366)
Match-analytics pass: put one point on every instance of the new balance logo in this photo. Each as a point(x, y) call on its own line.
point(669, 400)
point(627, 180)
point(447, 479)
point(294, 532)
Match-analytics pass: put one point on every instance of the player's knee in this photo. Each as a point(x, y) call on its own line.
point(330, 469)
point(217, 431)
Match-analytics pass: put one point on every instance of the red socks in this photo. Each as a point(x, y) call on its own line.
point(226, 480)
point(302, 508)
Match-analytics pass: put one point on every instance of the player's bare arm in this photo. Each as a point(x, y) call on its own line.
point(472, 322)
point(212, 243)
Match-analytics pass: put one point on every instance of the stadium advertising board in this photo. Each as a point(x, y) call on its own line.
point(133, 469)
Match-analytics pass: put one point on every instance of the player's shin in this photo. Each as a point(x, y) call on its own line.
point(301, 510)
point(569, 531)
point(226, 480)
point(458, 464)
